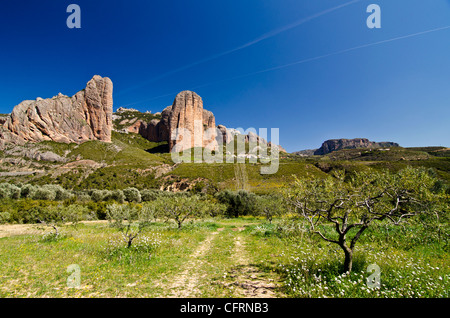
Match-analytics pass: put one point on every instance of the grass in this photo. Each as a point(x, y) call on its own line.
point(38, 268)
point(130, 154)
point(132, 116)
point(223, 175)
point(301, 265)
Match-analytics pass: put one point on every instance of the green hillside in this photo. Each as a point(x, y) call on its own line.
point(131, 160)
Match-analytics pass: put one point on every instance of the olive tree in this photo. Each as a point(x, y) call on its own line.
point(132, 194)
point(179, 208)
point(271, 206)
point(129, 220)
point(339, 211)
point(239, 202)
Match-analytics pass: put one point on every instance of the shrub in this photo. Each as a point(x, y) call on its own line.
point(27, 191)
point(97, 195)
point(43, 194)
point(118, 196)
point(58, 192)
point(83, 197)
point(150, 195)
point(4, 217)
point(132, 195)
point(238, 202)
point(9, 191)
point(4, 193)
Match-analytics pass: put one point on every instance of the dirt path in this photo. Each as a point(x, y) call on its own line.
point(185, 285)
point(248, 280)
point(7, 230)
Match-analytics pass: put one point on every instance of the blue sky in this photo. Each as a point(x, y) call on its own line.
point(311, 68)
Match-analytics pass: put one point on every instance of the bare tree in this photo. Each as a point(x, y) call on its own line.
point(270, 206)
point(130, 221)
point(340, 211)
point(179, 209)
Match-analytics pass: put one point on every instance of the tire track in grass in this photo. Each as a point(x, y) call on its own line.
point(248, 280)
point(185, 284)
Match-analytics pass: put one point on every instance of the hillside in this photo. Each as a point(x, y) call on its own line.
point(131, 160)
point(98, 149)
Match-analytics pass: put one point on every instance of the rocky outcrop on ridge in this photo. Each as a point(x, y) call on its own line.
point(85, 116)
point(331, 145)
point(186, 112)
point(338, 144)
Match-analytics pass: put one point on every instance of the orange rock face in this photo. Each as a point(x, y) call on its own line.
point(85, 116)
point(191, 120)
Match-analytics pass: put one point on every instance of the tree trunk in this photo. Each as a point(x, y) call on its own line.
point(348, 261)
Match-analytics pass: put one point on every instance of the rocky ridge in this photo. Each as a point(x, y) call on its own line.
point(331, 145)
point(88, 115)
point(85, 116)
point(187, 110)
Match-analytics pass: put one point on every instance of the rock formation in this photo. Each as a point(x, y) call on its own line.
point(85, 116)
point(338, 144)
point(187, 113)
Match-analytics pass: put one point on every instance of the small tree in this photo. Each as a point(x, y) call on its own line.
point(43, 194)
point(27, 191)
point(239, 202)
point(271, 206)
point(52, 216)
point(132, 195)
point(130, 221)
point(117, 195)
point(97, 195)
point(214, 209)
point(352, 207)
point(179, 208)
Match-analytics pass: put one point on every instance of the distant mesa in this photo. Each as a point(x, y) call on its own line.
point(339, 144)
point(85, 116)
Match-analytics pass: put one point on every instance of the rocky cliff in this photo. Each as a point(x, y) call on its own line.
point(338, 144)
point(85, 116)
point(187, 113)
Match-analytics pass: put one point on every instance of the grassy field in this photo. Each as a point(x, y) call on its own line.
point(243, 257)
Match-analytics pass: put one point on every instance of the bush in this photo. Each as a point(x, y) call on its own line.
point(118, 196)
point(4, 193)
point(98, 208)
point(9, 191)
point(58, 192)
point(238, 202)
point(43, 194)
point(4, 217)
point(83, 197)
point(97, 195)
point(132, 195)
point(150, 195)
point(27, 191)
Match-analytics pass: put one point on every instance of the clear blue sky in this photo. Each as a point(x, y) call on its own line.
point(363, 83)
